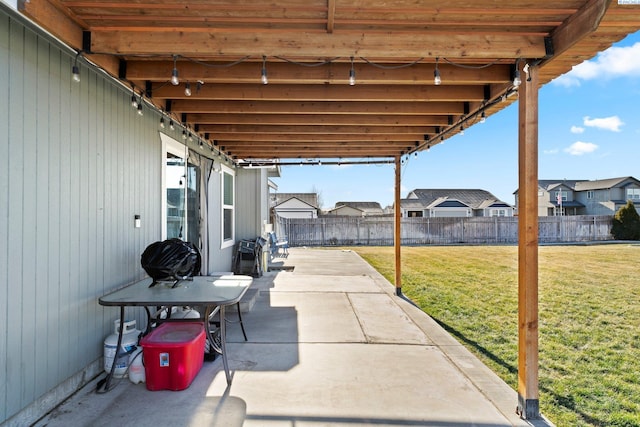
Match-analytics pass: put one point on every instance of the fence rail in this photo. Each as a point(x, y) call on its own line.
point(378, 231)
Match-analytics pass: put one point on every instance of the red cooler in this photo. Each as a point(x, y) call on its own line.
point(173, 355)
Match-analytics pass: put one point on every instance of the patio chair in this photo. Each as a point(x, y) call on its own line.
point(276, 246)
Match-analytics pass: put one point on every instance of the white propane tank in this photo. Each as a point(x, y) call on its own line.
point(185, 313)
point(136, 367)
point(129, 342)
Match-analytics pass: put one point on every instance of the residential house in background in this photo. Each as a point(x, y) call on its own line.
point(584, 197)
point(356, 209)
point(453, 203)
point(295, 205)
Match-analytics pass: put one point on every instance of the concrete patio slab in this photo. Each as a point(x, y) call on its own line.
point(330, 344)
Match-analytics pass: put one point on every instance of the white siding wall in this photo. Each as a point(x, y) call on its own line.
point(76, 164)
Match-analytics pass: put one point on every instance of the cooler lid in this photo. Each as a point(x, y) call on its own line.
point(174, 332)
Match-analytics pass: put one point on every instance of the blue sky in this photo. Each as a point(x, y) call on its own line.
point(589, 128)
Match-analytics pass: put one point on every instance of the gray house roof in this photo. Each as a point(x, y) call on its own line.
point(308, 198)
point(585, 184)
point(474, 198)
point(602, 184)
point(367, 207)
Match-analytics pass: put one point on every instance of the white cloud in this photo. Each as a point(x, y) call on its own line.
point(612, 123)
point(579, 148)
point(613, 62)
point(552, 151)
point(577, 129)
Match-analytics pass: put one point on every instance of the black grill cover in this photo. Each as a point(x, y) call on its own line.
point(171, 259)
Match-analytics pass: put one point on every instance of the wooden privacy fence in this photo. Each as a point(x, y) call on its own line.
point(378, 231)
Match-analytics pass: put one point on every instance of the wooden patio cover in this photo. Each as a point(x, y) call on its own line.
point(307, 50)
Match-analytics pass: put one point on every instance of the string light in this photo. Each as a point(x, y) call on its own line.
point(140, 112)
point(184, 134)
point(436, 75)
point(483, 117)
point(187, 89)
point(263, 77)
point(171, 125)
point(75, 70)
point(461, 130)
point(134, 100)
point(352, 74)
point(161, 122)
point(174, 73)
point(517, 81)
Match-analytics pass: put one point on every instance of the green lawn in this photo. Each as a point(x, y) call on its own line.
point(589, 319)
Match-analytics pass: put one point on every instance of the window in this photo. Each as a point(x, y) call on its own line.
point(498, 212)
point(561, 195)
point(228, 207)
point(590, 194)
point(633, 193)
point(180, 193)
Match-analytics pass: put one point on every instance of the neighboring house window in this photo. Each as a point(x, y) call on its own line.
point(590, 194)
point(498, 212)
point(228, 207)
point(563, 195)
point(633, 193)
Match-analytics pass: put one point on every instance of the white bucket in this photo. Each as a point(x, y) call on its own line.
point(129, 342)
point(136, 367)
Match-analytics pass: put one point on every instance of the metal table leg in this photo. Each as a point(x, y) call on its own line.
point(222, 346)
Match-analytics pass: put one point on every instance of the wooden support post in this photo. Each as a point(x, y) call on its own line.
point(528, 398)
point(396, 229)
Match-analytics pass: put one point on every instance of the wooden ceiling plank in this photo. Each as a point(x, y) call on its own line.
point(315, 44)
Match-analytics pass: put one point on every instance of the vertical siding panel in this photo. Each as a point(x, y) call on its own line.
point(41, 262)
point(4, 208)
point(15, 205)
point(70, 106)
point(29, 213)
point(53, 227)
point(97, 270)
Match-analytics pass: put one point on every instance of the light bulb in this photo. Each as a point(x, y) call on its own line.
point(516, 79)
point(436, 77)
point(134, 101)
point(76, 73)
point(263, 76)
point(162, 122)
point(171, 125)
point(140, 112)
point(184, 134)
point(352, 74)
point(187, 89)
point(483, 117)
point(174, 73)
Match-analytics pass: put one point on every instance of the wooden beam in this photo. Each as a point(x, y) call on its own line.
point(331, 73)
point(331, 15)
point(582, 23)
point(321, 138)
point(311, 119)
point(318, 129)
point(381, 93)
point(191, 41)
point(528, 398)
point(412, 108)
